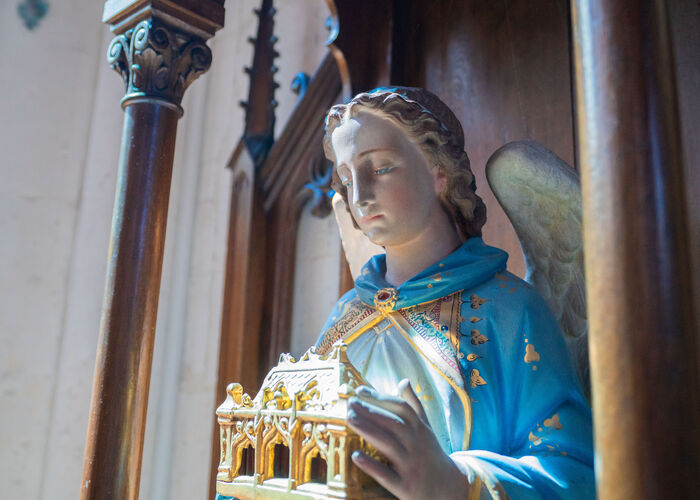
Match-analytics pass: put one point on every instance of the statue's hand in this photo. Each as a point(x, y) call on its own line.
point(398, 428)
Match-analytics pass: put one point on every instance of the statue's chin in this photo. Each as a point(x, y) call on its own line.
point(376, 236)
point(383, 238)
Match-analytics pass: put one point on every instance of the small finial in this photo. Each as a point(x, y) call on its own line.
point(236, 391)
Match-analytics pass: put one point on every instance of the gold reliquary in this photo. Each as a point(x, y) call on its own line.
point(292, 441)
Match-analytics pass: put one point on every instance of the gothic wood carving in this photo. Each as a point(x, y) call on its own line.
point(283, 178)
point(269, 192)
point(260, 107)
point(245, 255)
point(243, 288)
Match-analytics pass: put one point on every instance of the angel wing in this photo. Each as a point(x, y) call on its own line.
point(541, 195)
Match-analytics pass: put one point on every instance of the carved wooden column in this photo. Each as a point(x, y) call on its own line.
point(644, 365)
point(159, 50)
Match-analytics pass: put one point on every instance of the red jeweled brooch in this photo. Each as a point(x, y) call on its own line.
point(385, 299)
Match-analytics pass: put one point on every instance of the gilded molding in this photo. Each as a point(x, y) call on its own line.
point(157, 62)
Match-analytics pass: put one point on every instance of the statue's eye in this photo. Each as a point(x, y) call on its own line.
point(347, 184)
point(383, 170)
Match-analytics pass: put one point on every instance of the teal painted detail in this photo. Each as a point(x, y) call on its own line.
point(32, 11)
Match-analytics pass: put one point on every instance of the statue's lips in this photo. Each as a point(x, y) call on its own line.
point(371, 218)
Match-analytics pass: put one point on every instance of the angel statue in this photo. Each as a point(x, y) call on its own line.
point(474, 391)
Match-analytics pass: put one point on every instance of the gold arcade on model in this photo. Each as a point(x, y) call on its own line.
point(292, 440)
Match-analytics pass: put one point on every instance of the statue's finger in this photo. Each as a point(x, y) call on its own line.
point(408, 394)
point(383, 474)
point(393, 404)
point(380, 429)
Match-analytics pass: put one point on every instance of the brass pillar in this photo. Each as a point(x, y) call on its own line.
point(644, 365)
point(159, 50)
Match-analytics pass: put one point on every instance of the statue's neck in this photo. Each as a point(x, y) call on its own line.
point(432, 245)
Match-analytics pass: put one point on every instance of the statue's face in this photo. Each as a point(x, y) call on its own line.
point(392, 191)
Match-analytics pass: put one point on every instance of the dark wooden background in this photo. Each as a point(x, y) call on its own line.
point(506, 69)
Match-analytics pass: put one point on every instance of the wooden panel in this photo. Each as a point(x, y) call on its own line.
point(282, 179)
point(284, 217)
point(644, 369)
point(266, 204)
point(504, 68)
point(362, 41)
point(243, 293)
point(685, 20)
point(242, 310)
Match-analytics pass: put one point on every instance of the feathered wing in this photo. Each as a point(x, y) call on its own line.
point(541, 195)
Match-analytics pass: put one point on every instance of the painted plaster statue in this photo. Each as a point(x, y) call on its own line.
point(475, 394)
point(474, 391)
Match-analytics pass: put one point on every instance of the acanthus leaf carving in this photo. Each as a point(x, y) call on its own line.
point(156, 61)
point(320, 175)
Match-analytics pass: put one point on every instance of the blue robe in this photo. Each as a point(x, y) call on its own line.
point(488, 361)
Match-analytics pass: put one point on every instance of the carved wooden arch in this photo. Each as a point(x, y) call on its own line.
point(269, 193)
point(359, 50)
point(507, 71)
point(283, 178)
point(265, 209)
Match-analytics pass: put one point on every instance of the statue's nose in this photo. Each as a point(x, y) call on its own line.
point(363, 194)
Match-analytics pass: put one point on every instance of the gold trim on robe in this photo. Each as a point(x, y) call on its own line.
point(439, 347)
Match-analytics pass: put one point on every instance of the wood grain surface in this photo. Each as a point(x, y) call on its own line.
point(504, 69)
point(644, 365)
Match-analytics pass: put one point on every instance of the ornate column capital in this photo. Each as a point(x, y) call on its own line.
point(158, 62)
point(202, 18)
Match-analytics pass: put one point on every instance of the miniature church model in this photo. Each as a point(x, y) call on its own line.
point(292, 441)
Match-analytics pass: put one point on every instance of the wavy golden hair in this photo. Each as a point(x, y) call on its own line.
point(436, 130)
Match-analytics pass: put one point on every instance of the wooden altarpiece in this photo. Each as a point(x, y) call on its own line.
point(510, 71)
point(610, 87)
point(271, 185)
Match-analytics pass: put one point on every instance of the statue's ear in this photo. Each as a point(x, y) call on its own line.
point(439, 180)
point(357, 247)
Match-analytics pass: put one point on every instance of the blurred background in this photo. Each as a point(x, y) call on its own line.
point(60, 135)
